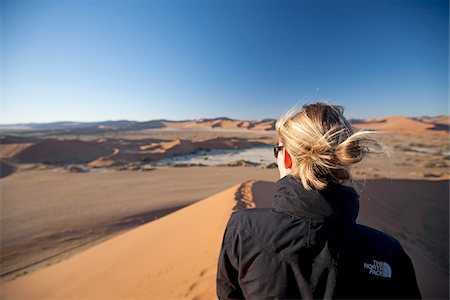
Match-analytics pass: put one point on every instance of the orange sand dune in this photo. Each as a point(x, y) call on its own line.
point(439, 120)
point(172, 146)
point(62, 151)
point(10, 150)
point(400, 124)
point(106, 153)
point(104, 161)
point(161, 147)
point(206, 123)
point(164, 149)
point(224, 123)
point(390, 124)
point(264, 125)
point(173, 257)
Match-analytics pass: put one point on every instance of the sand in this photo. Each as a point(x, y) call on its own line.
point(401, 124)
point(224, 123)
point(124, 234)
point(175, 257)
point(118, 151)
point(100, 149)
point(48, 215)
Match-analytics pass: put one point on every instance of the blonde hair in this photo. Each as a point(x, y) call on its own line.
point(323, 145)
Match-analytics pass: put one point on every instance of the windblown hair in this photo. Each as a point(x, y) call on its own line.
point(323, 145)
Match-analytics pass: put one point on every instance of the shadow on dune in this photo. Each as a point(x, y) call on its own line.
point(440, 127)
point(6, 169)
point(53, 247)
point(413, 211)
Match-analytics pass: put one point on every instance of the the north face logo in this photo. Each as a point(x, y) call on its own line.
point(379, 268)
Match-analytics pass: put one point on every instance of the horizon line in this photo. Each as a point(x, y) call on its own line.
point(212, 118)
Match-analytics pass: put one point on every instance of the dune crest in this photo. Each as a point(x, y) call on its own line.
point(244, 196)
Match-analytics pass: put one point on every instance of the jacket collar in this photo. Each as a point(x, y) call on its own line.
point(336, 202)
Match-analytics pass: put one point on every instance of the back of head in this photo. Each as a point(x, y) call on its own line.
point(323, 145)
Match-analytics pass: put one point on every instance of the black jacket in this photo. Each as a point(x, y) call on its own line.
point(309, 246)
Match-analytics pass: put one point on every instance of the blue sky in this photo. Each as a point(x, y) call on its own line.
point(97, 60)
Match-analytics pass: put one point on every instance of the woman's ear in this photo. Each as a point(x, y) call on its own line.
point(287, 160)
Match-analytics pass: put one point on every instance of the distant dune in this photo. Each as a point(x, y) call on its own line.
point(108, 152)
point(400, 124)
point(61, 151)
point(390, 123)
point(117, 143)
point(175, 257)
point(121, 126)
point(440, 120)
point(225, 123)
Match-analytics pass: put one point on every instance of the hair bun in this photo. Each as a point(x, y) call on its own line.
point(323, 145)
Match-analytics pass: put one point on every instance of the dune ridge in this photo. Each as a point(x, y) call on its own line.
point(244, 196)
point(174, 257)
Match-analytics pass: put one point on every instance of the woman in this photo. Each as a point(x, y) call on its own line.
point(308, 244)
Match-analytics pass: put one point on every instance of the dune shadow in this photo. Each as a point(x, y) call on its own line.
point(263, 193)
point(254, 194)
point(35, 252)
point(440, 127)
point(6, 169)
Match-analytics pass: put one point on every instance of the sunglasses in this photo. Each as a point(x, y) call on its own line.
point(277, 149)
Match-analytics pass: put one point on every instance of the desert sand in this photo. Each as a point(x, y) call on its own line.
point(85, 213)
point(401, 124)
point(48, 215)
point(175, 257)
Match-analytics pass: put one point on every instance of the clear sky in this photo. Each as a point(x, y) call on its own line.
point(98, 60)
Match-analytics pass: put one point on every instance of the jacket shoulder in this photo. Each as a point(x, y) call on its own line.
point(260, 223)
point(362, 238)
point(377, 237)
point(250, 218)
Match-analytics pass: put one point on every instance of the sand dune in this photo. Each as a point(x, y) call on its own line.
point(439, 120)
point(10, 150)
point(47, 215)
point(438, 123)
point(61, 151)
point(401, 124)
point(108, 152)
point(225, 123)
point(104, 161)
point(264, 125)
point(175, 257)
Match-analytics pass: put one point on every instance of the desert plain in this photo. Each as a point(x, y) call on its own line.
point(88, 212)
